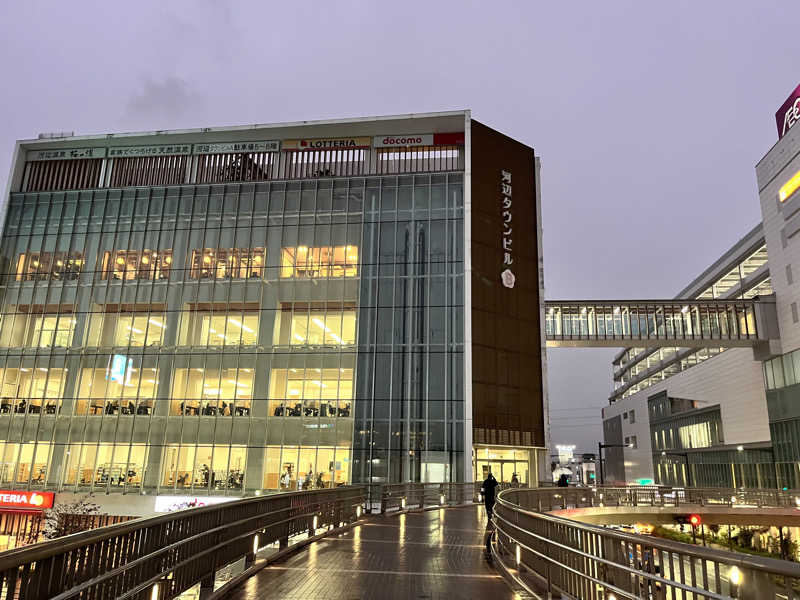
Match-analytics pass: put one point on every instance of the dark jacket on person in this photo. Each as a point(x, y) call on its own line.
point(487, 489)
point(563, 481)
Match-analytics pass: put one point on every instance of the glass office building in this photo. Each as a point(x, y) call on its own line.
point(227, 311)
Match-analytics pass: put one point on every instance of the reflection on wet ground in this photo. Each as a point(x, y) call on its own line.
point(431, 555)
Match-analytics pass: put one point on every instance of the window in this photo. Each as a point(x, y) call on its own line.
point(23, 463)
point(206, 467)
point(632, 415)
point(113, 325)
point(37, 326)
point(625, 416)
point(104, 465)
point(31, 390)
point(119, 388)
point(212, 392)
point(221, 324)
point(293, 467)
point(38, 266)
point(310, 392)
point(633, 442)
point(794, 312)
point(227, 263)
point(316, 324)
point(137, 264)
point(325, 261)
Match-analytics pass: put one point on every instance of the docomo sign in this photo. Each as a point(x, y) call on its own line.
point(31, 500)
point(418, 139)
point(789, 113)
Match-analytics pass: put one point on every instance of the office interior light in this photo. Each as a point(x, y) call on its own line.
point(789, 188)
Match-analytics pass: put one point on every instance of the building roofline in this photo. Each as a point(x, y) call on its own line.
point(252, 127)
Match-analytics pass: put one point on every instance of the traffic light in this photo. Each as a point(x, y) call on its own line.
point(694, 520)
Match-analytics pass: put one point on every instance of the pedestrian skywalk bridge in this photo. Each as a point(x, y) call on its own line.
point(654, 323)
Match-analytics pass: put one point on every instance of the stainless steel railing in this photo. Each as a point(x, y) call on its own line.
point(573, 560)
point(418, 495)
point(160, 557)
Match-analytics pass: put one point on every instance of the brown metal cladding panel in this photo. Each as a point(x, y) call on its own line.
point(506, 345)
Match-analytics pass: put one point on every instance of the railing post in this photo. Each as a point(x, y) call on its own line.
point(207, 586)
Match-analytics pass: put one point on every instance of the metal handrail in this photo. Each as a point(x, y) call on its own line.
point(419, 495)
point(592, 562)
point(160, 557)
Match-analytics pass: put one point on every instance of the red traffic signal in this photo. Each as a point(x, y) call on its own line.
point(694, 520)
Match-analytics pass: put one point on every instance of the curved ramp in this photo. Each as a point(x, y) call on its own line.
point(428, 555)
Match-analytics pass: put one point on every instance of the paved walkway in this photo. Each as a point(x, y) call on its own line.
point(430, 555)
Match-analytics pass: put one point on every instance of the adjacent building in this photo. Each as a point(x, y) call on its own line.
point(229, 310)
point(715, 416)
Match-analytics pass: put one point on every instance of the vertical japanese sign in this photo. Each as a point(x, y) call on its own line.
point(507, 276)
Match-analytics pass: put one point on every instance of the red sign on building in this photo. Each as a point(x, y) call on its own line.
point(28, 500)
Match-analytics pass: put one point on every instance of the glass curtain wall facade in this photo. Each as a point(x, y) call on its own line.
point(222, 338)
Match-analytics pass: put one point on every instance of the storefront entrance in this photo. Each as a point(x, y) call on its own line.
point(503, 463)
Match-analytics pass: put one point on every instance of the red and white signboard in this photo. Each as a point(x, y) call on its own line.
point(411, 139)
point(418, 139)
point(28, 500)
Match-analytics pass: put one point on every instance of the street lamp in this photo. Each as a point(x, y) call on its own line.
point(600, 446)
point(685, 456)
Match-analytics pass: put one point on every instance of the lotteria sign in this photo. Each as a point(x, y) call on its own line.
point(327, 144)
point(789, 113)
point(418, 139)
point(29, 500)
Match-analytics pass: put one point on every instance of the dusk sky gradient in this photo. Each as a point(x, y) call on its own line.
point(648, 117)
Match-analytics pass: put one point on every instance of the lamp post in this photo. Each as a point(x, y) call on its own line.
point(685, 456)
point(600, 446)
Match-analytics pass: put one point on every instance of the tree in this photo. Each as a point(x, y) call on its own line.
point(60, 520)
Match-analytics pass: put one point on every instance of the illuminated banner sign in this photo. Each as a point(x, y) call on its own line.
point(789, 113)
point(229, 148)
point(327, 144)
point(136, 151)
point(66, 154)
point(29, 500)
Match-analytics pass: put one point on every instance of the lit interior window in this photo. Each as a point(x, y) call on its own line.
point(36, 266)
point(316, 324)
point(212, 392)
point(137, 264)
point(227, 263)
point(311, 392)
point(324, 261)
point(789, 188)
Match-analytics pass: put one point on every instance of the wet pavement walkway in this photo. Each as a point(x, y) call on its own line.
point(431, 555)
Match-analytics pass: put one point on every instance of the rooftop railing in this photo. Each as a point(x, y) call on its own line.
point(552, 554)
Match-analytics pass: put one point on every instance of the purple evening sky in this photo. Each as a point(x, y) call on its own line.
point(649, 117)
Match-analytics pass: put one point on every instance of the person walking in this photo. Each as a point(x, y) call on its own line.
point(487, 489)
point(514, 480)
point(563, 481)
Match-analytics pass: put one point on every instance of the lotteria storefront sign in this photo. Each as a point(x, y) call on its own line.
point(789, 113)
point(327, 144)
point(418, 139)
point(28, 500)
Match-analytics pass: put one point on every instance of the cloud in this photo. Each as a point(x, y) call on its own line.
point(165, 100)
